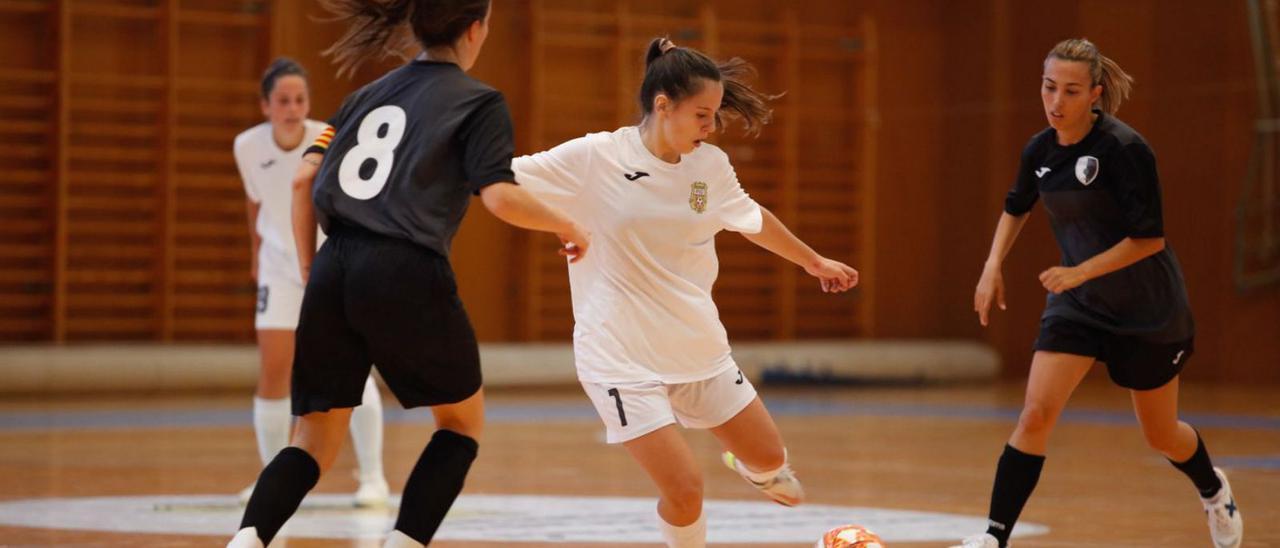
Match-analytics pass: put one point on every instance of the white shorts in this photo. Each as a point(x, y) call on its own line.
point(631, 410)
point(279, 291)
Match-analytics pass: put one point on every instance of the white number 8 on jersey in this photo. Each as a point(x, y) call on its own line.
point(370, 146)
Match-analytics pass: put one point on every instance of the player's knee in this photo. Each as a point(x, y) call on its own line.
point(685, 496)
point(321, 435)
point(466, 417)
point(324, 451)
point(1037, 418)
point(324, 454)
point(469, 427)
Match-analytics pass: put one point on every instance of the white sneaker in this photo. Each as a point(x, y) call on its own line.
point(396, 539)
point(245, 493)
point(784, 488)
point(984, 540)
point(1225, 524)
point(373, 494)
point(246, 538)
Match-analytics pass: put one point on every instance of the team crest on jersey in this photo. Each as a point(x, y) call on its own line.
point(1086, 169)
point(698, 196)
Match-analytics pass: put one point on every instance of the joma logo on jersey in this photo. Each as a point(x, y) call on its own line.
point(698, 196)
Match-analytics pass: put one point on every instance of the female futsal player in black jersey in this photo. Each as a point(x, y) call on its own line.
point(1118, 298)
point(405, 156)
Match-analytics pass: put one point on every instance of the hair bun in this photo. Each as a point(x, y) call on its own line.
point(657, 47)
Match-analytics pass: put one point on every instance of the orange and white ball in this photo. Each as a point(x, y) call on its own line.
point(850, 536)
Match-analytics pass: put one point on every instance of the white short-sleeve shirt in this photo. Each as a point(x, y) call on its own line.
point(267, 172)
point(642, 296)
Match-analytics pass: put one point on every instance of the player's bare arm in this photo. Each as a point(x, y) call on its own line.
point(774, 236)
point(991, 283)
point(304, 217)
point(514, 205)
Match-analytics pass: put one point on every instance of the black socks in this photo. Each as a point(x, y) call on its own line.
point(1016, 477)
point(434, 484)
point(1200, 470)
point(280, 489)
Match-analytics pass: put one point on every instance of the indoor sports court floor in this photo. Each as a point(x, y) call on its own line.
point(913, 463)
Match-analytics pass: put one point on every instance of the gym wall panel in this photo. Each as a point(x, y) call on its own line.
point(28, 158)
point(891, 150)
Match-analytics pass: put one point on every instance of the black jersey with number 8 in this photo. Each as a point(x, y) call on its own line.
point(409, 151)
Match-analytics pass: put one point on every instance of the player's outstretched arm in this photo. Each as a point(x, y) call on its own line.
point(304, 217)
point(834, 276)
point(516, 206)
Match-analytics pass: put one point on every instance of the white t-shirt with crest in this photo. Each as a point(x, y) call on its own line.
point(642, 296)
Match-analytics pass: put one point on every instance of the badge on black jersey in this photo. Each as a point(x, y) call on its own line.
point(698, 196)
point(1086, 169)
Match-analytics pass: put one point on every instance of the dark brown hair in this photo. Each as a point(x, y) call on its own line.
point(279, 68)
point(384, 28)
point(679, 72)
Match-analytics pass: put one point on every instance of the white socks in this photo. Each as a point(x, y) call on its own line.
point(396, 539)
point(366, 433)
point(272, 422)
point(693, 535)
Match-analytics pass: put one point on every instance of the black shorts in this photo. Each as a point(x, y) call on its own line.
point(374, 299)
point(1131, 362)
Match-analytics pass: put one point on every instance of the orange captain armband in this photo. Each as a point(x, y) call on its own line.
point(321, 144)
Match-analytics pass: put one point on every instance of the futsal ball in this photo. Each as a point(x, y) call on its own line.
point(850, 536)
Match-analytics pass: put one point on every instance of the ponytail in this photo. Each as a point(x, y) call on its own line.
point(385, 28)
point(1116, 83)
point(679, 72)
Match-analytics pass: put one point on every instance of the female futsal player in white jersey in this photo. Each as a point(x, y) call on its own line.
point(268, 155)
point(648, 343)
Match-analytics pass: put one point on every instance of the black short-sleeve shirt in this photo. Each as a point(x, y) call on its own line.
point(409, 151)
point(1098, 192)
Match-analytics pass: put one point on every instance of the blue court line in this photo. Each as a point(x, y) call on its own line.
point(804, 407)
point(582, 411)
point(1261, 462)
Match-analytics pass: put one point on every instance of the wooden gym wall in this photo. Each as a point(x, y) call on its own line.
point(120, 201)
point(133, 227)
point(915, 111)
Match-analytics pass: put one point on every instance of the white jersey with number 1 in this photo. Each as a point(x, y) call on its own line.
point(642, 296)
